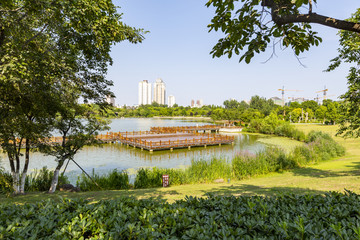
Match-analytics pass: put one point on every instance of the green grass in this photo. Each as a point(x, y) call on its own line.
point(334, 175)
point(282, 142)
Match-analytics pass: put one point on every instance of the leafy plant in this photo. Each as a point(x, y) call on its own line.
point(288, 216)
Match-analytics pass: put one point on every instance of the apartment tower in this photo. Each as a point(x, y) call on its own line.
point(144, 92)
point(171, 101)
point(159, 91)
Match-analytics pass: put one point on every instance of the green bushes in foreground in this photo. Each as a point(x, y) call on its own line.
point(329, 216)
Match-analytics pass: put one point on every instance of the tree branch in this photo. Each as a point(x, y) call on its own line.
point(308, 18)
point(320, 19)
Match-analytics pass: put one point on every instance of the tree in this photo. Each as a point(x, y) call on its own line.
point(46, 48)
point(310, 104)
point(252, 24)
point(321, 113)
point(261, 104)
point(78, 126)
point(231, 104)
point(296, 114)
point(349, 52)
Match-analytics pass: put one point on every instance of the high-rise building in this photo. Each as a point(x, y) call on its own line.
point(171, 101)
point(199, 103)
point(110, 100)
point(159, 91)
point(144, 92)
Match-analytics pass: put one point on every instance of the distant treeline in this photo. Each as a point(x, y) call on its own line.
point(237, 112)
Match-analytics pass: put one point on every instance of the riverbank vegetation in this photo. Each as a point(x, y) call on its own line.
point(319, 147)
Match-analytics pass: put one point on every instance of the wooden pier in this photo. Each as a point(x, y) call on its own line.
point(187, 129)
point(150, 140)
point(178, 140)
point(162, 138)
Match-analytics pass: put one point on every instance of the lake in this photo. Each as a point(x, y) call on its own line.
point(116, 156)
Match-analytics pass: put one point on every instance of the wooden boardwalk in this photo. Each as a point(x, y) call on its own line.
point(162, 138)
point(150, 140)
point(187, 129)
point(178, 140)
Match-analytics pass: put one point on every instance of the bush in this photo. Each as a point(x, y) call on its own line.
point(111, 181)
point(271, 125)
point(40, 180)
point(5, 182)
point(270, 160)
point(201, 171)
point(288, 216)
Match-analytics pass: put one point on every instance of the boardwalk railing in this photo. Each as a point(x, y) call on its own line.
point(184, 129)
point(167, 144)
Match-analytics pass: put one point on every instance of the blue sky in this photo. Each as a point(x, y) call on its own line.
point(177, 49)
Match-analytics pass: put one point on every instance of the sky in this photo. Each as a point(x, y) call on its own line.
point(177, 50)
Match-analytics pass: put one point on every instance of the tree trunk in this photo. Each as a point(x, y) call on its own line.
point(22, 183)
point(26, 165)
point(16, 182)
point(55, 179)
point(14, 174)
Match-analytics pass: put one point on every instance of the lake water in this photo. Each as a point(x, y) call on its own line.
point(114, 156)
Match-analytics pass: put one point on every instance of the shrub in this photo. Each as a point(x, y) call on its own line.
point(288, 216)
point(5, 182)
point(201, 170)
point(40, 180)
point(146, 177)
point(110, 181)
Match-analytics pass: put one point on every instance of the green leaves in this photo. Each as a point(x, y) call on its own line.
point(249, 24)
point(326, 216)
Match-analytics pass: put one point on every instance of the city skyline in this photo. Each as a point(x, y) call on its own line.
point(178, 50)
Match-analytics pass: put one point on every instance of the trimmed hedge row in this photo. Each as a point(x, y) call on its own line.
point(329, 216)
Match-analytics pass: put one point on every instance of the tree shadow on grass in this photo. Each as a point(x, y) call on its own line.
point(354, 170)
point(249, 190)
point(92, 196)
point(315, 173)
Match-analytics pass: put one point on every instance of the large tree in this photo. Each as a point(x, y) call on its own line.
point(46, 48)
point(349, 52)
point(251, 25)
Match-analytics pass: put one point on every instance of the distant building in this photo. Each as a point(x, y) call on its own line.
point(110, 100)
point(199, 103)
point(298, 100)
point(144, 92)
point(171, 101)
point(277, 101)
point(159, 91)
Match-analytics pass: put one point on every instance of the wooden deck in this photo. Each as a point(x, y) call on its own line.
point(172, 141)
point(162, 138)
point(188, 129)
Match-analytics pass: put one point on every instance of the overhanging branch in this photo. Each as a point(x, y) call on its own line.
point(308, 18)
point(320, 19)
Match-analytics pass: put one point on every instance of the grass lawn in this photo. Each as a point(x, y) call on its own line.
point(335, 175)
